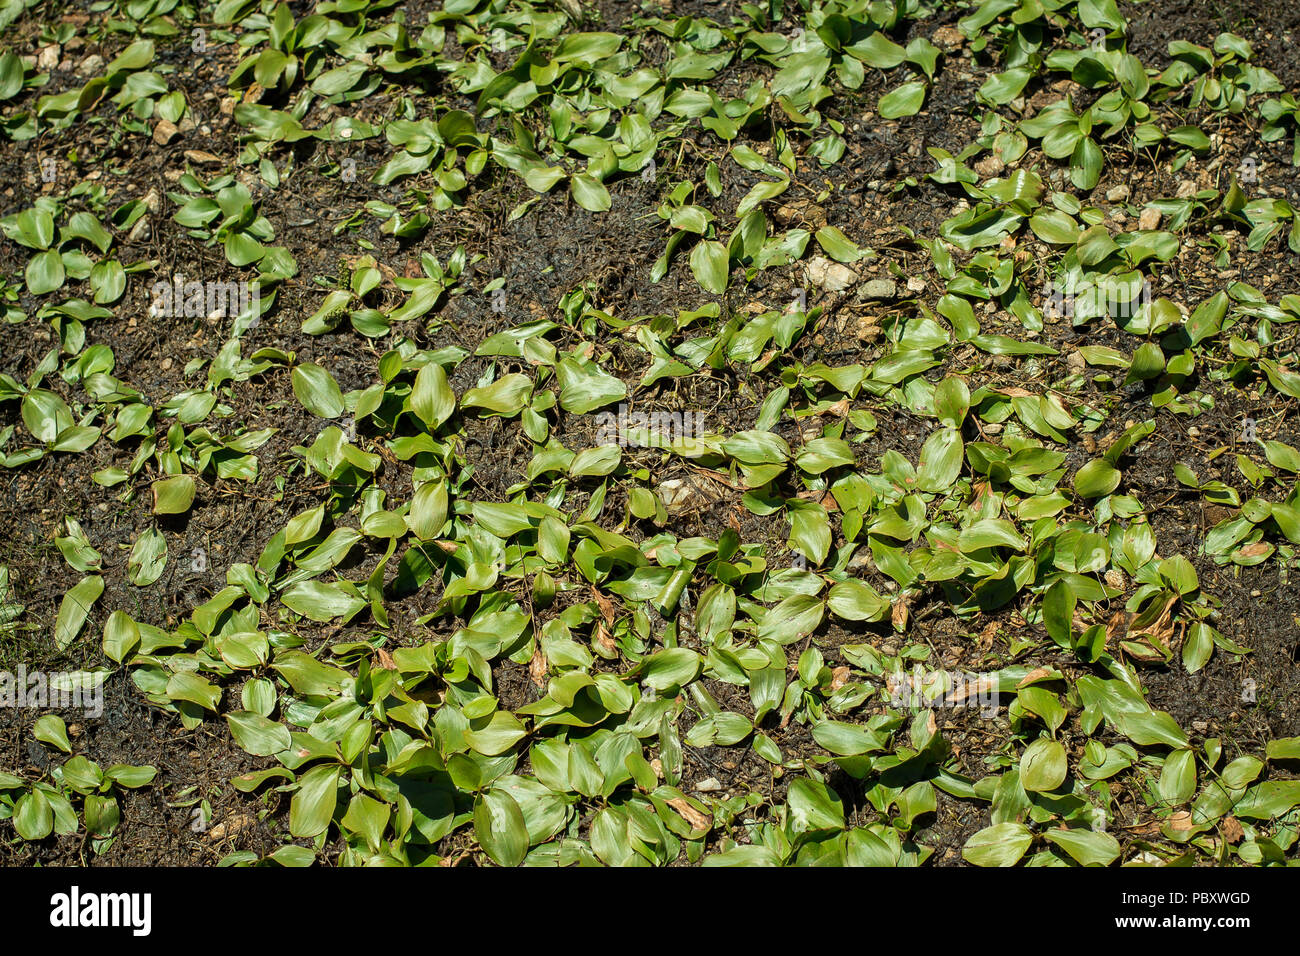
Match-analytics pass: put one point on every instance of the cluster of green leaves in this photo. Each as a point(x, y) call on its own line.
point(224, 211)
point(48, 805)
point(60, 251)
point(385, 747)
point(128, 84)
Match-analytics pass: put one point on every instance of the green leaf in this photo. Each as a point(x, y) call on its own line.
point(1101, 13)
point(758, 447)
point(308, 676)
point(102, 815)
point(121, 636)
point(585, 386)
point(980, 226)
point(432, 399)
point(906, 100)
point(589, 193)
point(497, 735)
point(1282, 379)
point(45, 415)
point(586, 48)
point(317, 391)
point(242, 249)
point(1283, 748)
point(990, 533)
point(1087, 847)
point(810, 532)
point(1198, 646)
point(1054, 226)
point(11, 74)
point(75, 608)
point(855, 600)
point(822, 454)
point(76, 439)
point(257, 735)
point(1002, 88)
point(125, 775)
point(1002, 844)
point(1129, 713)
point(173, 496)
point(428, 511)
point(1097, 478)
point(506, 396)
point(709, 264)
point(1058, 613)
point(878, 51)
point(1085, 164)
point(1148, 362)
point(500, 829)
point(33, 818)
point(45, 272)
point(951, 401)
point(793, 619)
point(845, 740)
point(759, 194)
point(289, 855)
point(82, 225)
point(837, 245)
point(595, 462)
point(1282, 456)
point(147, 559)
point(313, 805)
point(1043, 766)
point(189, 686)
point(814, 807)
point(1191, 137)
point(670, 667)
point(1178, 778)
point(368, 817)
point(941, 461)
point(321, 602)
point(1094, 245)
point(304, 526)
point(1207, 318)
point(82, 775)
point(50, 729)
point(329, 313)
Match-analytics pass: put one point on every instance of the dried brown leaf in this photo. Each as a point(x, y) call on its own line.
point(839, 677)
point(1037, 674)
point(603, 638)
point(537, 667)
point(694, 817)
point(898, 616)
point(606, 606)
